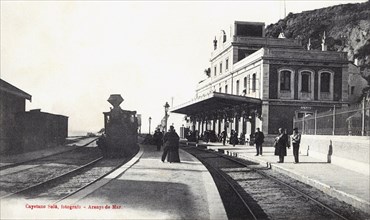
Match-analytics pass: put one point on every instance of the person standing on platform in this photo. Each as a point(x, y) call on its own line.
point(233, 138)
point(242, 138)
point(259, 139)
point(158, 139)
point(280, 144)
point(171, 146)
point(223, 136)
point(296, 140)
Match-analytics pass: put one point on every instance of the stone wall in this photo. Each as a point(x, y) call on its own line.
point(351, 152)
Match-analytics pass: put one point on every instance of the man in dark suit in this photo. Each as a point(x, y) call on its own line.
point(281, 143)
point(259, 139)
point(223, 136)
point(296, 140)
point(158, 139)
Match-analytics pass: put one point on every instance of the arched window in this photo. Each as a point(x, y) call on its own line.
point(254, 82)
point(285, 80)
point(226, 89)
point(306, 82)
point(245, 82)
point(325, 82)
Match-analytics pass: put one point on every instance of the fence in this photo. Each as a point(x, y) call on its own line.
point(352, 120)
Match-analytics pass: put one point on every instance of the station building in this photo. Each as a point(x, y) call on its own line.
point(256, 81)
point(12, 101)
point(21, 130)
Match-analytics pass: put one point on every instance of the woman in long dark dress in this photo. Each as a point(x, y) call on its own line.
point(171, 145)
point(281, 143)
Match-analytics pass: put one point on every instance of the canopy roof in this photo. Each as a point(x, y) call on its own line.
point(214, 101)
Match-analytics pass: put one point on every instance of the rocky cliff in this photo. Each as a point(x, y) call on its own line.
point(347, 28)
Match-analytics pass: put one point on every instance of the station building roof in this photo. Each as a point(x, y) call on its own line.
point(9, 88)
point(214, 101)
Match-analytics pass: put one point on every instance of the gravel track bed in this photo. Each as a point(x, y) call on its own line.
point(79, 156)
point(272, 200)
point(59, 189)
point(46, 169)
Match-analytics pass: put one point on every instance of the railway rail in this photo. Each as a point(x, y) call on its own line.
point(251, 191)
point(35, 187)
point(62, 187)
point(3, 167)
point(27, 175)
point(56, 177)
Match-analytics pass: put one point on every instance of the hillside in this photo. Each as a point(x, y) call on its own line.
point(347, 29)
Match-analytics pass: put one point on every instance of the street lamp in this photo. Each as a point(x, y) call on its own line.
point(166, 107)
point(150, 119)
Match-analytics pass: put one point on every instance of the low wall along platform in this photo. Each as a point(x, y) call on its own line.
point(350, 152)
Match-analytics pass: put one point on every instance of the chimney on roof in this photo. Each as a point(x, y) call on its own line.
point(309, 44)
point(323, 43)
point(215, 44)
point(36, 110)
point(355, 61)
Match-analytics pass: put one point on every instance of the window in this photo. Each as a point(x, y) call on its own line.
point(226, 89)
point(248, 84)
point(220, 89)
point(220, 68)
point(215, 70)
point(352, 90)
point(227, 64)
point(285, 80)
point(237, 87)
point(254, 82)
point(305, 84)
point(326, 85)
point(245, 82)
point(325, 82)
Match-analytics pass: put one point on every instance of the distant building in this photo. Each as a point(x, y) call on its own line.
point(41, 129)
point(25, 131)
point(255, 81)
point(356, 83)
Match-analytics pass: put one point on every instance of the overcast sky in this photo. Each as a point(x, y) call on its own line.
point(71, 55)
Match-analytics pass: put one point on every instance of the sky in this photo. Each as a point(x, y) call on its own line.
point(71, 55)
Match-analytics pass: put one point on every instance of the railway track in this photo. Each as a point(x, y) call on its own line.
point(7, 166)
point(250, 191)
point(31, 189)
point(27, 175)
point(62, 187)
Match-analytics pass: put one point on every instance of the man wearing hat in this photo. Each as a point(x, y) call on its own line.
point(295, 140)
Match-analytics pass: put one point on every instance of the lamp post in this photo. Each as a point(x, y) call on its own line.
point(150, 120)
point(166, 107)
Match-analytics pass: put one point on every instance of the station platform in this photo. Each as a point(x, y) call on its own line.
point(343, 184)
point(147, 188)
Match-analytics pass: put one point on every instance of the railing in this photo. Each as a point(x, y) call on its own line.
point(352, 120)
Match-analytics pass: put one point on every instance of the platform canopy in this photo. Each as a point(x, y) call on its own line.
point(215, 101)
